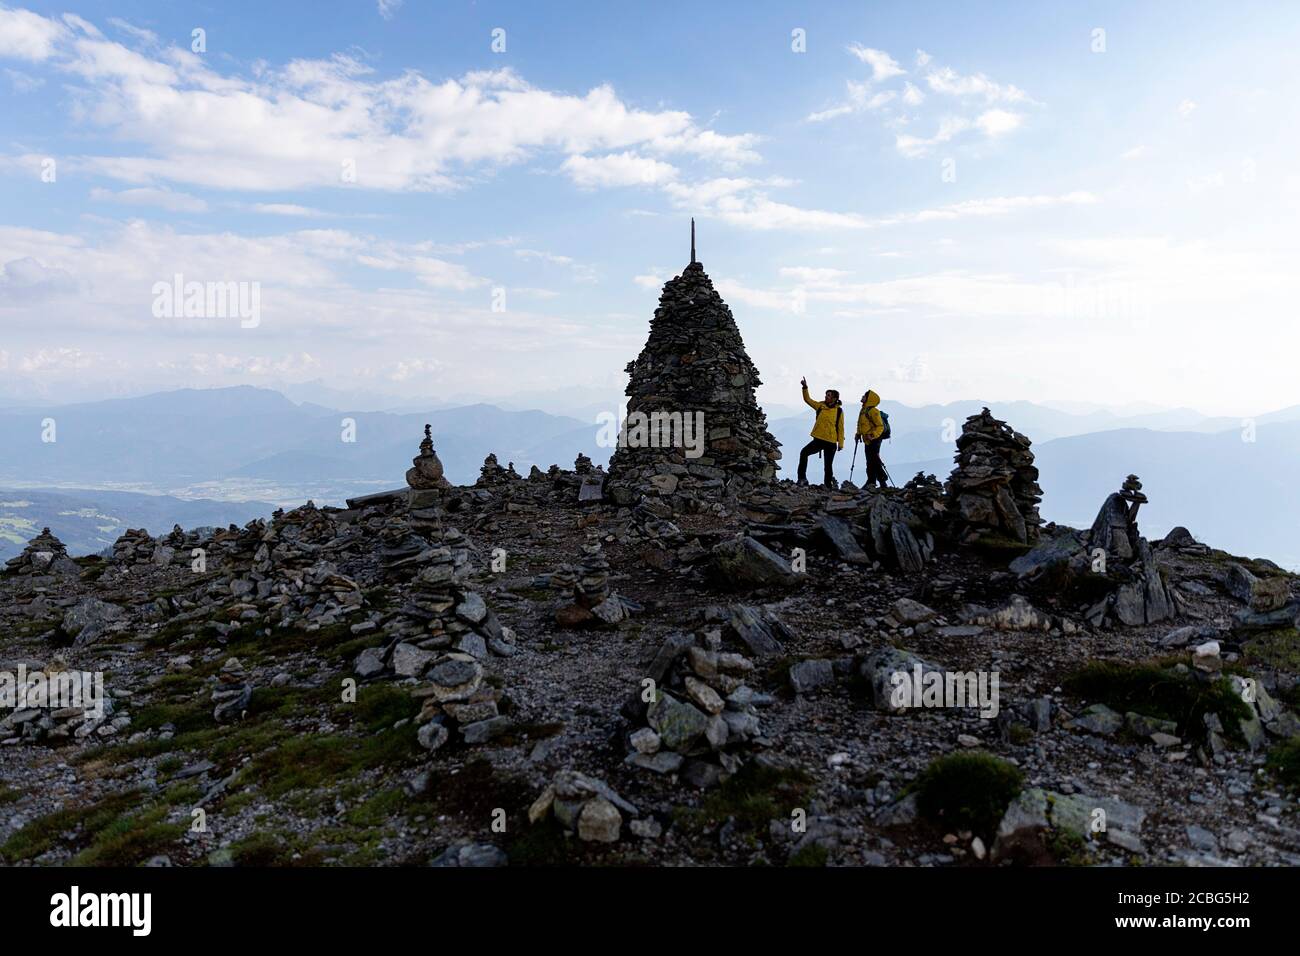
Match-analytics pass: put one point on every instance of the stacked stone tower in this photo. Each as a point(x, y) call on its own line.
point(993, 492)
point(694, 427)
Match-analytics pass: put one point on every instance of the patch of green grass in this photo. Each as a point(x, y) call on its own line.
point(969, 790)
point(1067, 848)
point(9, 795)
point(753, 796)
point(477, 790)
point(45, 832)
point(1000, 548)
point(1156, 689)
point(541, 844)
point(131, 839)
point(811, 855)
point(1278, 649)
point(378, 809)
point(1284, 761)
point(1020, 734)
point(382, 705)
point(289, 640)
point(313, 761)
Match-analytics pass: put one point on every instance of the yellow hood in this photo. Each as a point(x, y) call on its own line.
point(872, 399)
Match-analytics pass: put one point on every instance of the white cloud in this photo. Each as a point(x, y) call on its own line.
point(948, 81)
point(1186, 108)
point(997, 122)
point(922, 58)
point(23, 82)
point(618, 169)
point(883, 66)
point(28, 36)
point(147, 196)
point(913, 146)
point(812, 274)
point(138, 33)
point(1137, 152)
point(335, 123)
point(56, 360)
point(1199, 184)
point(912, 95)
point(288, 209)
point(388, 8)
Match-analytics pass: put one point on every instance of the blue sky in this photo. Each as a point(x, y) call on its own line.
point(938, 200)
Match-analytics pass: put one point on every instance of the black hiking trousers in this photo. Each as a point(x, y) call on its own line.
point(827, 450)
point(875, 467)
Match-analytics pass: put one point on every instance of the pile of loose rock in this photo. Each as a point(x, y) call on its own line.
point(697, 716)
point(993, 493)
point(583, 805)
point(56, 705)
point(456, 698)
point(44, 554)
point(693, 364)
point(1112, 558)
point(134, 546)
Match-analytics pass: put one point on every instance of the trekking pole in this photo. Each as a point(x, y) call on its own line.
point(854, 463)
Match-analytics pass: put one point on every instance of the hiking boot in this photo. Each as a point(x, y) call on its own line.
point(802, 483)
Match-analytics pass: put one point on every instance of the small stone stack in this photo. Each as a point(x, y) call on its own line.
point(36, 713)
point(694, 361)
point(425, 473)
point(583, 805)
point(44, 553)
point(1115, 530)
point(233, 692)
point(456, 700)
point(924, 495)
point(135, 546)
point(492, 474)
point(594, 604)
point(702, 718)
point(993, 492)
point(1141, 594)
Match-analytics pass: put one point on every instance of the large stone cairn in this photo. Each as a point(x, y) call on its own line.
point(993, 492)
point(425, 473)
point(694, 361)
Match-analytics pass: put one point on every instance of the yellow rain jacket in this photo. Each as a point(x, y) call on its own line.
point(830, 420)
point(870, 426)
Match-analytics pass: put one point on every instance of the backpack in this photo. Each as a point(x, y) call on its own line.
point(884, 418)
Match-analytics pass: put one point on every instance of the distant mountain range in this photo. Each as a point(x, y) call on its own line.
point(257, 448)
point(89, 521)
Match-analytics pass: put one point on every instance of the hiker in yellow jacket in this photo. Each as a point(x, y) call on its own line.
point(871, 432)
point(827, 433)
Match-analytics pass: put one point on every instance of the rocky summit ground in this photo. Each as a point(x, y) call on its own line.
point(521, 672)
